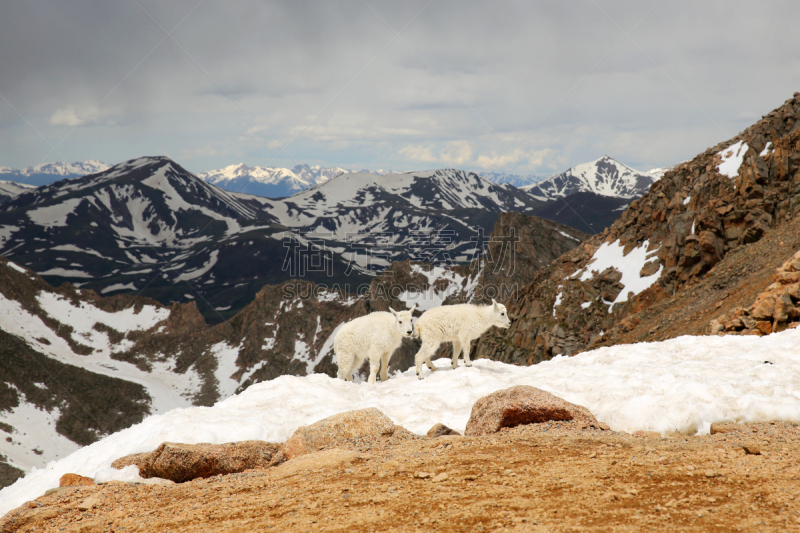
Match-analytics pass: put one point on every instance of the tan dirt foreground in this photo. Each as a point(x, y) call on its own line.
point(544, 477)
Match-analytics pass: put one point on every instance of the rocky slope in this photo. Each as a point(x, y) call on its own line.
point(75, 366)
point(585, 211)
point(542, 477)
point(11, 189)
point(724, 200)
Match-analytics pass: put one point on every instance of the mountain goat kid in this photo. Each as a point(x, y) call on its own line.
point(460, 324)
point(375, 336)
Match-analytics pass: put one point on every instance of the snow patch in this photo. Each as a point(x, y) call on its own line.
point(612, 255)
point(732, 158)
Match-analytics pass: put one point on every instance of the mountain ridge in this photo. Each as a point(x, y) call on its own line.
point(604, 176)
point(725, 199)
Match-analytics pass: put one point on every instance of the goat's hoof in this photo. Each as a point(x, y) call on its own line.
point(455, 366)
point(468, 364)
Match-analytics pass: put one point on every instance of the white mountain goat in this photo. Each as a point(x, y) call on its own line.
point(460, 324)
point(375, 336)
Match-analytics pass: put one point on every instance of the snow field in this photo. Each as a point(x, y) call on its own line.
point(680, 385)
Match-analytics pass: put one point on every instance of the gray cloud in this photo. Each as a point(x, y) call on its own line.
point(511, 86)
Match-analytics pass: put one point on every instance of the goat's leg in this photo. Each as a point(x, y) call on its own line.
point(456, 352)
point(425, 352)
point(465, 346)
point(345, 363)
point(385, 366)
point(374, 365)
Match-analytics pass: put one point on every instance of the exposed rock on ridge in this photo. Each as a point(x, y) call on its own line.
point(689, 220)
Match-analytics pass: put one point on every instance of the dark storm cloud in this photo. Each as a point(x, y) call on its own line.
point(515, 86)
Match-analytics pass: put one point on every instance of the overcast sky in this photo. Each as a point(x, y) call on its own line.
point(511, 86)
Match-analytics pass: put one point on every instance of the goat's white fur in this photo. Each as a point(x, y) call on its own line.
point(460, 324)
point(375, 336)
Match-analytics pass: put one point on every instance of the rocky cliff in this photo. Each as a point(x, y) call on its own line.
point(725, 199)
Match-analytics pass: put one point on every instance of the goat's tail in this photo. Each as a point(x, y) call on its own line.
point(415, 333)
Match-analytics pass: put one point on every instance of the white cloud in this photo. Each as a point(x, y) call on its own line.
point(71, 116)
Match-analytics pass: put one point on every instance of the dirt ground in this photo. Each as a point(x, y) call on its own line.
point(546, 477)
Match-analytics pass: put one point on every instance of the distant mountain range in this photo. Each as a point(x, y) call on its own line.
point(151, 227)
point(273, 182)
point(51, 172)
point(269, 182)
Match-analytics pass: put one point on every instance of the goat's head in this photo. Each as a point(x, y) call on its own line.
point(403, 320)
point(499, 316)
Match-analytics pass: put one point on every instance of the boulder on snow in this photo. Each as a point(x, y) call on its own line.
point(522, 405)
point(359, 423)
point(439, 430)
point(183, 462)
point(74, 480)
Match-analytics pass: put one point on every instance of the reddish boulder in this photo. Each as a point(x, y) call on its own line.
point(359, 423)
point(183, 462)
point(522, 405)
point(440, 430)
point(74, 480)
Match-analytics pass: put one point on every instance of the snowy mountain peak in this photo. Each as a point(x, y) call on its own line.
point(604, 176)
point(270, 182)
point(50, 172)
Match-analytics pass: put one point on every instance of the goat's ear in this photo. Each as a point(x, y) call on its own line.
point(494, 303)
point(393, 312)
point(412, 308)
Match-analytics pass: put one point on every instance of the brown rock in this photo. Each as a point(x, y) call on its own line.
point(89, 503)
point(752, 449)
point(764, 308)
point(88, 527)
point(440, 430)
point(650, 268)
point(764, 326)
point(648, 434)
point(793, 264)
point(400, 431)
point(183, 462)
point(324, 460)
point(522, 405)
point(360, 423)
point(74, 480)
point(723, 427)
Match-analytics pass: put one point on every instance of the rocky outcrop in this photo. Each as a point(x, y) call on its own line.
point(440, 430)
point(700, 211)
point(359, 423)
point(521, 405)
point(775, 309)
point(184, 462)
point(75, 480)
